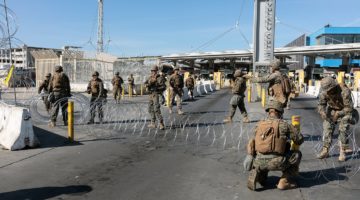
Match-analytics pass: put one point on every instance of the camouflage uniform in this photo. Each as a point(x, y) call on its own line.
point(131, 82)
point(96, 89)
point(176, 90)
point(44, 86)
point(60, 89)
point(117, 88)
point(237, 100)
point(292, 94)
point(287, 161)
point(190, 83)
point(335, 106)
point(155, 85)
point(274, 79)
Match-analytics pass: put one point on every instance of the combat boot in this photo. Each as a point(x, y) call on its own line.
point(324, 153)
point(246, 120)
point(227, 120)
point(262, 177)
point(285, 184)
point(253, 176)
point(161, 126)
point(152, 125)
point(342, 156)
point(52, 124)
point(180, 112)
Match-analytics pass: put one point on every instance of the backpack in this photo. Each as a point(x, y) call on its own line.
point(161, 83)
point(267, 138)
point(190, 82)
point(57, 80)
point(286, 85)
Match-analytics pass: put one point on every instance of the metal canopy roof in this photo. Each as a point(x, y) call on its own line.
point(283, 51)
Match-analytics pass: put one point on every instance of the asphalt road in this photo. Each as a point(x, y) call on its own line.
point(196, 157)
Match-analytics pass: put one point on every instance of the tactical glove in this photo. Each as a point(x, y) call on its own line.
point(248, 162)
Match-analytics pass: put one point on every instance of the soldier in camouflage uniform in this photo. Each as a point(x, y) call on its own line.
point(156, 86)
point(269, 150)
point(60, 90)
point(117, 88)
point(190, 83)
point(292, 94)
point(131, 82)
point(96, 89)
point(275, 89)
point(237, 100)
point(44, 87)
point(176, 90)
point(335, 106)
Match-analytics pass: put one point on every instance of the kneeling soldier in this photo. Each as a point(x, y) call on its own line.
point(270, 150)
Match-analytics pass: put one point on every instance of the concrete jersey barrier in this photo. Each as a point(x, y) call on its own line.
point(16, 129)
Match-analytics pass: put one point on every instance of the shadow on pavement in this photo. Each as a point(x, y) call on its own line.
point(46, 192)
point(320, 177)
point(310, 178)
point(48, 139)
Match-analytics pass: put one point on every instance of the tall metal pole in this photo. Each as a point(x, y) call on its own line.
point(100, 42)
point(263, 32)
point(11, 64)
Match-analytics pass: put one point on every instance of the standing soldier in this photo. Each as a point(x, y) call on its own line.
point(275, 79)
point(335, 106)
point(271, 149)
point(156, 86)
point(176, 90)
point(237, 100)
point(190, 83)
point(59, 90)
point(293, 92)
point(44, 86)
point(96, 89)
point(131, 82)
point(117, 88)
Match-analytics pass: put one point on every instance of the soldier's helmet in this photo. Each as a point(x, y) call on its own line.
point(58, 68)
point(95, 73)
point(117, 73)
point(238, 73)
point(154, 68)
point(275, 64)
point(48, 75)
point(275, 105)
point(328, 83)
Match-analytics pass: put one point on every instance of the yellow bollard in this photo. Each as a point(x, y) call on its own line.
point(263, 97)
point(356, 80)
point(249, 94)
point(141, 90)
point(249, 88)
point(340, 77)
point(168, 98)
point(130, 91)
point(71, 121)
point(295, 121)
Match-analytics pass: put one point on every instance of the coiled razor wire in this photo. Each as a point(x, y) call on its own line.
point(202, 130)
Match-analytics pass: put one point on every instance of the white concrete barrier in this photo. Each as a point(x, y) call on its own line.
point(16, 129)
point(356, 98)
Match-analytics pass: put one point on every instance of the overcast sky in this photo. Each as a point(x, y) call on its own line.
point(160, 27)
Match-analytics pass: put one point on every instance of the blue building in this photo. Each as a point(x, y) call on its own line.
point(334, 35)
